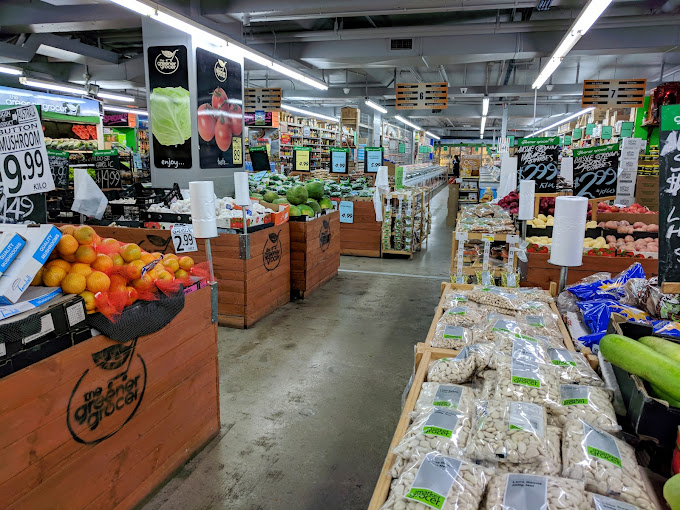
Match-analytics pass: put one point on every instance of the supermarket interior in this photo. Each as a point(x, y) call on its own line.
point(260, 255)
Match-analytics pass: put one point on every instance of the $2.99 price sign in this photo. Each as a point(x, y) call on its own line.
point(183, 238)
point(24, 165)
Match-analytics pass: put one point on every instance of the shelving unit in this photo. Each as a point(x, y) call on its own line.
point(322, 136)
point(424, 175)
point(468, 192)
point(349, 120)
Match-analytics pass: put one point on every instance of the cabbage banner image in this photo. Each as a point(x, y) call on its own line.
point(169, 108)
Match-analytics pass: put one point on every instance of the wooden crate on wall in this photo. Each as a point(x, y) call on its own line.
point(362, 237)
point(314, 252)
point(59, 452)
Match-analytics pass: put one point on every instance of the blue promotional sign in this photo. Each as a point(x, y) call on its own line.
point(373, 159)
point(346, 212)
point(339, 160)
point(52, 106)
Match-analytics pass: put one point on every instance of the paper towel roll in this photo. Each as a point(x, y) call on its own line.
point(381, 180)
point(526, 200)
point(203, 209)
point(569, 231)
point(241, 186)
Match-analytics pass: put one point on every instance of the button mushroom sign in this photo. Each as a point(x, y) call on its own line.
point(220, 111)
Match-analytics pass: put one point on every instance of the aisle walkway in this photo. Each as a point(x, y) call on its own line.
point(311, 395)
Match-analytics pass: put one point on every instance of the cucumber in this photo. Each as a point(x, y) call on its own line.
point(671, 492)
point(665, 347)
point(659, 393)
point(636, 358)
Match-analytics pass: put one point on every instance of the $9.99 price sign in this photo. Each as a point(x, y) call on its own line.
point(24, 166)
point(183, 238)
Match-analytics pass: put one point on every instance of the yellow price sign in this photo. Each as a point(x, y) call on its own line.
point(302, 161)
point(237, 150)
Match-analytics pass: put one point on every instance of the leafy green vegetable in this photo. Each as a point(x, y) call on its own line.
point(170, 113)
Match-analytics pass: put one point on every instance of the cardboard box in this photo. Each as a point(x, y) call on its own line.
point(32, 298)
point(40, 241)
point(280, 214)
point(647, 191)
point(11, 245)
point(566, 128)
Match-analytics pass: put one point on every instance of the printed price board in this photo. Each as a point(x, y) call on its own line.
point(107, 169)
point(538, 161)
point(339, 160)
point(669, 203)
point(24, 167)
point(373, 159)
point(614, 93)
point(59, 167)
point(346, 212)
point(301, 159)
point(26, 209)
point(266, 100)
point(422, 96)
point(183, 238)
point(596, 171)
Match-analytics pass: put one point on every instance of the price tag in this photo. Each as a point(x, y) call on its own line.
point(487, 238)
point(237, 150)
point(23, 157)
point(512, 239)
point(306, 132)
point(461, 236)
point(302, 161)
point(511, 257)
point(346, 212)
point(59, 166)
point(461, 278)
point(183, 238)
point(487, 251)
point(339, 162)
point(373, 159)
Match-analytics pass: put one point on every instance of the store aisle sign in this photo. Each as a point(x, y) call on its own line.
point(107, 169)
point(24, 167)
point(262, 99)
point(346, 212)
point(422, 96)
point(374, 159)
point(301, 159)
point(538, 161)
point(614, 93)
point(596, 171)
point(669, 201)
point(58, 161)
point(183, 238)
point(52, 106)
point(339, 157)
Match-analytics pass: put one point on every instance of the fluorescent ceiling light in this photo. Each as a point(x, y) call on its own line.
point(136, 111)
point(306, 112)
point(432, 135)
point(563, 121)
point(483, 126)
point(375, 106)
point(588, 16)
point(11, 70)
point(485, 106)
point(408, 123)
point(213, 40)
point(48, 85)
point(116, 97)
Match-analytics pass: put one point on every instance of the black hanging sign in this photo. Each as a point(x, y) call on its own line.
point(538, 161)
point(26, 209)
point(669, 203)
point(169, 106)
point(596, 171)
point(220, 110)
point(107, 168)
point(58, 161)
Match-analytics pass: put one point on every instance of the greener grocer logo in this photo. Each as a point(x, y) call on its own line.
point(220, 70)
point(575, 402)
point(526, 381)
point(444, 403)
point(427, 497)
point(599, 454)
point(166, 62)
point(437, 431)
point(561, 363)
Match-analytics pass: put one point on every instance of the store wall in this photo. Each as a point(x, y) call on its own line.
point(158, 34)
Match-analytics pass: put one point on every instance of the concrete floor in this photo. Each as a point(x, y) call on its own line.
point(311, 395)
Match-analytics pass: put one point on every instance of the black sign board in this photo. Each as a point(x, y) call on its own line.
point(259, 158)
point(538, 161)
point(107, 169)
point(596, 171)
point(669, 201)
point(58, 161)
point(116, 119)
point(26, 209)
point(220, 111)
point(169, 106)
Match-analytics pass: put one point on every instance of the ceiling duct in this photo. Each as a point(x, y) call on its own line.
point(401, 44)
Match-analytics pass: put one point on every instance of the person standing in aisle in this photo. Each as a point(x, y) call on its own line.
point(456, 166)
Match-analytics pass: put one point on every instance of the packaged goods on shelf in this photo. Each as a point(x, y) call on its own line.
point(544, 491)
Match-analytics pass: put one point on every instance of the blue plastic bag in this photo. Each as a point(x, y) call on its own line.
point(608, 289)
point(668, 328)
point(597, 311)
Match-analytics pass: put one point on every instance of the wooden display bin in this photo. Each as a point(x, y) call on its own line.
point(314, 252)
point(248, 290)
point(103, 424)
point(540, 272)
point(362, 237)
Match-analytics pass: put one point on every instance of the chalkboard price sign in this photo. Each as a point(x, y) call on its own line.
point(538, 161)
point(596, 171)
point(26, 209)
point(107, 168)
point(58, 161)
point(669, 203)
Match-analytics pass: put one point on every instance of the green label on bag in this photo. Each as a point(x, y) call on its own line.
point(575, 402)
point(561, 363)
point(427, 497)
point(534, 383)
point(594, 452)
point(437, 431)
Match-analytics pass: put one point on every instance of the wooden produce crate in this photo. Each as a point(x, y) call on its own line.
point(362, 237)
point(540, 273)
point(314, 252)
point(148, 239)
point(104, 424)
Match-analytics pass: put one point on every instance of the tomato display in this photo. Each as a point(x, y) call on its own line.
point(223, 130)
point(206, 122)
point(219, 97)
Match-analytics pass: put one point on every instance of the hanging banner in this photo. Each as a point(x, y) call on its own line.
point(669, 203)
point(262, 100)
point(614, 93)
point(422, 96)
point(596, 171)
point(538, 161)
point(374, 159)
point(59, 165)
point(24, 168)
point(169, 106)
point(301, 159)
point(220, 116)
point(116, 120)
point(339, 160)
point(52, 106)
point(107, 169)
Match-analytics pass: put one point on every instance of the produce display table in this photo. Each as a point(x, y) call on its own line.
point(314, 252)
point(540, 273)
point(103, 424)
point(248, 290)
point(362, 236)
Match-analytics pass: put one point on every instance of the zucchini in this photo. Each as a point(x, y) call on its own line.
point(664, 396)
point(665, 347)
point(636, 358)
